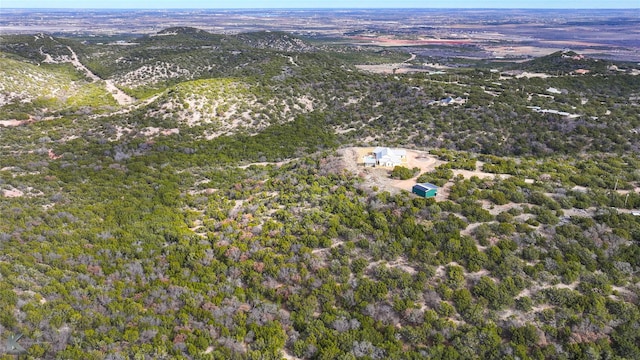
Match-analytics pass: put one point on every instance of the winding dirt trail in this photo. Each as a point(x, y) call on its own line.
point(124, 100)
point(120, 96)
point(413, 56)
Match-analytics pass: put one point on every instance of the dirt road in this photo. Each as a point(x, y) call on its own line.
point(379, 176)
point(120, 96)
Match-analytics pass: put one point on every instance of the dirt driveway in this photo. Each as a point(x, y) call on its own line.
point(379, 176)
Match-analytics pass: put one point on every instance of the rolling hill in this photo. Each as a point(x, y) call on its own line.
point(223, 211)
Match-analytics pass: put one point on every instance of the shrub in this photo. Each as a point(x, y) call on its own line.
point(403, 173)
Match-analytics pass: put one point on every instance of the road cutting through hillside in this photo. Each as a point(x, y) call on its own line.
point(120, 96)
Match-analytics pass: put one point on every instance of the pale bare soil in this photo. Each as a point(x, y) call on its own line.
point(529, 75)
point(118, 95)
point(10, 123)
point(16, 193)
point(265, 163)
point(150, 131)
point(335, 244)
point(288, 356)
point(392, 68)
point(520, 51)
point(12, 193)
point(379, 176)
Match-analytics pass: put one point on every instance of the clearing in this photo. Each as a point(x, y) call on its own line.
point(379, 176)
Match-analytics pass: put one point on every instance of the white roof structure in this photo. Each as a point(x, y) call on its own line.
point(386, 156)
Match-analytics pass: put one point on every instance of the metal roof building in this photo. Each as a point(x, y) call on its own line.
point(426, 190)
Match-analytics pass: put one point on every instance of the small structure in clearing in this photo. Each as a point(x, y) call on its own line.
point(383, 156)
point(425, 190)
point(449, 101)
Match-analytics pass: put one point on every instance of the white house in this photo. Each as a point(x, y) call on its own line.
point(389, 157)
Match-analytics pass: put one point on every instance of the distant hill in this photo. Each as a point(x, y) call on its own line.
point(182, 53)
point(213, 84)
point(226, 106)
point(565, 62)
point(30, 90)
point(167, 57)
point(275, 41)
point(36, 48)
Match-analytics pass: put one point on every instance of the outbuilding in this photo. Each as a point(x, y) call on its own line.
point(426, 190)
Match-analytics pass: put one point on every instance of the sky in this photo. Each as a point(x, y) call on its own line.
point(220, 4)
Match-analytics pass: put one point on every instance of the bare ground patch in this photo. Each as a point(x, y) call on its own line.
point(379, 176)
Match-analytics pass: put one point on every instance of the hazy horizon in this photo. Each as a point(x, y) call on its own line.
point(330, 4)
point(303, 8)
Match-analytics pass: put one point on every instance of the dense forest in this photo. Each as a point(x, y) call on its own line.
point(215, 214)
